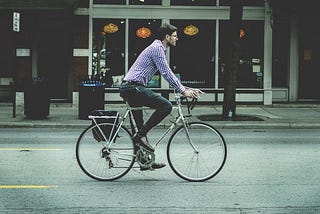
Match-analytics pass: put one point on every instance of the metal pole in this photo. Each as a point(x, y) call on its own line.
point(13, 90)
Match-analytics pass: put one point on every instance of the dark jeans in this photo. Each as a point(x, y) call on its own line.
point(138, 96)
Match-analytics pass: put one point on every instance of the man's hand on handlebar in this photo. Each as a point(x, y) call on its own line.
point(192, 92)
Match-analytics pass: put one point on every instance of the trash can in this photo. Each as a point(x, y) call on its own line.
point(36, 99)
point(91, 97)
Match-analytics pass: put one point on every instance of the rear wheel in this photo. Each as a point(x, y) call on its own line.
point(105, 156)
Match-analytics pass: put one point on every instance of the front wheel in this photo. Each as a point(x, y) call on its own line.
point(105, 153)
point(196, 152)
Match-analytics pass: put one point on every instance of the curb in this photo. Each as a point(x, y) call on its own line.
point(218, 125)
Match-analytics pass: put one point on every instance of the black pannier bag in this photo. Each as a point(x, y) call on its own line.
point(108, 131)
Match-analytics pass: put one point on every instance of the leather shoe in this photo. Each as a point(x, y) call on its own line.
point(142, 141)
point(153, 166)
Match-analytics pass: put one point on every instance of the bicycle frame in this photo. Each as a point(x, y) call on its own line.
point(129, 110)
point(171, 127)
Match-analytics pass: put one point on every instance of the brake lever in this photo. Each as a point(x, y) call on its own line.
point(190, 104)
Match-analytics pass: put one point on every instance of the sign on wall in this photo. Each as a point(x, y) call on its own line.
point(16, 22)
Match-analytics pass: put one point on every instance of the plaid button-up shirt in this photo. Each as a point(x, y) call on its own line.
point(151, 60)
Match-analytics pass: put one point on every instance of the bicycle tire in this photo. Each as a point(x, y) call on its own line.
point(99, 163)
point(193, 166)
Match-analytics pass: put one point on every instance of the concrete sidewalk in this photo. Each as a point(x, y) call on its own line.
point(275, 116)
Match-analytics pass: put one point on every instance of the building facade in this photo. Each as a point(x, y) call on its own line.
point(102, 38)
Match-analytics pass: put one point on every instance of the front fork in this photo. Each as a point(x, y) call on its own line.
point(186, 125)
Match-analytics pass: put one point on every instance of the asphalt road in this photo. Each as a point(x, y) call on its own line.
point(267, 171)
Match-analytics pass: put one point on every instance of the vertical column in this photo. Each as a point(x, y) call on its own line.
point(267, 66)
point(293, 60)
point(126, 47)
point(164, 83)
point(216, 56)
point(82, 47)
point(90, 37)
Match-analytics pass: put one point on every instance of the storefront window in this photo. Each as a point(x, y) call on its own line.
point(250, 74)
point(194, 2)
point(109, 1)
point(245, 2)
point(141, 34)
point(131, 2)
point(193, 57)
point(145, 2)
point(108, 50)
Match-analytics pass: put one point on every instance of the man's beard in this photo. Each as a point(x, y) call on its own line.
point(170, 45)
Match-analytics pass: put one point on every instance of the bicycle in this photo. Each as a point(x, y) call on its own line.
point(196, 151)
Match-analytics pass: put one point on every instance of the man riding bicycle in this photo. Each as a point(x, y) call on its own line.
point(134, 89)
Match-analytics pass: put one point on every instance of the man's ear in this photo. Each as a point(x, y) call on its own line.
point(167, 37)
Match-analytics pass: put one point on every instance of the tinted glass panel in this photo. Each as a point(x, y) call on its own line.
point(245, 2)
point(141, 34)
point(108, 50)
point(250, 74)
point(192, 58)
point(109, 1)
point(145, 2)
point(193, 2)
